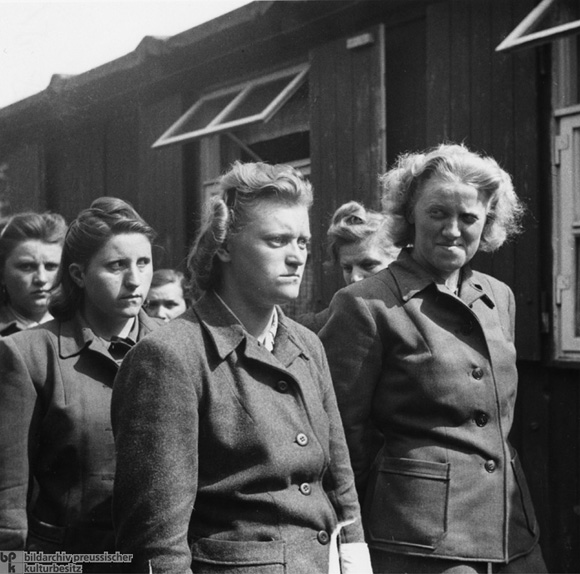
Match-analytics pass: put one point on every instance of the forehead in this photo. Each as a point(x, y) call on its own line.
point(36, 249)
point(171, 290)
point(437, 190)
point(273, 214)
point(367, 248)
point(123, 245)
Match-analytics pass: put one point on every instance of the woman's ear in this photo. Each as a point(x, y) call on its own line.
point(77, 274)
point(224, 254)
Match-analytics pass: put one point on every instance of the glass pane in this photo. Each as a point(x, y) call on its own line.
point(205, 113)
point(258, 99)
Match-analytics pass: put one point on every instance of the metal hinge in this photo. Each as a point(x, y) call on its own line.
point(561, 142)
point(562, 283)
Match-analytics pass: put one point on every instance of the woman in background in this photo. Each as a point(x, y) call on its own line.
point(230, 451)
point(55, 430)
point(30, 251)
point(424, 352)
point(167, 296)
point(358, 240)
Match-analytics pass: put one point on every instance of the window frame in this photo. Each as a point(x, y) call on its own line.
point(296, 77)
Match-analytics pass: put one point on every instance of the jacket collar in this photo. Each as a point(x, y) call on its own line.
point(227, 333)
point(412, 278)
point(75, 335)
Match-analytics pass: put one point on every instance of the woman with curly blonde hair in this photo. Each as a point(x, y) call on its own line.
point(424, 353)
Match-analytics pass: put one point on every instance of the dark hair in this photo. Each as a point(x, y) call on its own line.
point(46, 227)
point(86, 235)
point(455, 163)
point(245, 185)
point(352, 223)
point(165, 276)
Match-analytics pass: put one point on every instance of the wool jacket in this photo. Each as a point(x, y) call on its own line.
point(55, 433)
point(436, 374)
point(230, 458)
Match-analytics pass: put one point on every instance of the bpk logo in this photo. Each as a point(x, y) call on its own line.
point(11, 562)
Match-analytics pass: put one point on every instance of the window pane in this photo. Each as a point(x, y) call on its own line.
point(206, 112)
point(258, 99)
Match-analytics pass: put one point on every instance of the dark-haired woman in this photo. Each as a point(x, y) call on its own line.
point(230, 451)
point(30, 250)
point(55, 430)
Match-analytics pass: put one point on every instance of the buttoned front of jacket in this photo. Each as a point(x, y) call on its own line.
point(55, 393)
point(436, 375)
point(243, 449)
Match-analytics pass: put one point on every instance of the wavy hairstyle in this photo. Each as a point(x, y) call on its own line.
point(451, 163)
point(352, 223)
point(46, 227)
point(86, 235)
point(241, 188)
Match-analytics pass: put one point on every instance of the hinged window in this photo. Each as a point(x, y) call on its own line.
point(233, 107)
point(567, 238)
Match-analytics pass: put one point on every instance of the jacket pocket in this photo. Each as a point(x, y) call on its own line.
point(44, 537)
point(224, 556)
point(408, 504)
point(526, 499)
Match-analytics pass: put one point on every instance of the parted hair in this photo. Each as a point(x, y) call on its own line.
point(352, 223)
point(240, 189)
point(86, 235)
point(451, 163)
point(46, 227)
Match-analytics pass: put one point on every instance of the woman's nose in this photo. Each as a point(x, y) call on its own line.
point(40, 276)
point(297, 254)
point(133, 277)
point(451, 228)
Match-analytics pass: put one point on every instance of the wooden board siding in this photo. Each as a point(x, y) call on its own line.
point(489, 102)
point(347, 137)
point(25, 172)
point(161, 198)
point(75, 164)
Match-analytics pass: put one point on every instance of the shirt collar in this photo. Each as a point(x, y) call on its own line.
point(227, 332)
point(412, 278)
point(268, 335)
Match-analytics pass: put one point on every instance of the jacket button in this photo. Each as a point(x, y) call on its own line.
point(305, 488)
point(481, 419)
point(323, 537)
point(490, 466)
point(477, 374)
point(301, 439)
point(282, 386)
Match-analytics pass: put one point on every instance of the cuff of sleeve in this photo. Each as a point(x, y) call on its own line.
point(355, 558)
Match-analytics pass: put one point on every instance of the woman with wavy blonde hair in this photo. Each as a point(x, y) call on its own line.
point(230, 451)
point(424, 353)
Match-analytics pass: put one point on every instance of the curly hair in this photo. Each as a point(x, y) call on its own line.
point(352, 223)
point(86, 235)
point(452, 163)
point(241, 188)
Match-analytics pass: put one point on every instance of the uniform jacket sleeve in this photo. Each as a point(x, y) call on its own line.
point(18, 399)
point(155, 423)
point(356, 366)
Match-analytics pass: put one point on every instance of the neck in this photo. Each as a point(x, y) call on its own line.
point(29, 318)
point(254, 319)
point(107, 328)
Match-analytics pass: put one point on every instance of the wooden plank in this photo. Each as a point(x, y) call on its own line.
point(160, 183)
point(460, 75)
point(527, 267)
point(438, 73)
point(25, 172)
